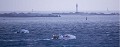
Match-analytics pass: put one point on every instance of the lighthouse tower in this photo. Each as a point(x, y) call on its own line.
point(76, 8)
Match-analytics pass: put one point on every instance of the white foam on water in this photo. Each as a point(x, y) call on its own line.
point(9, 40)
point(69, 36)
point(23, 31)
point(26, 40)
point(65, 37)
point(46, 39)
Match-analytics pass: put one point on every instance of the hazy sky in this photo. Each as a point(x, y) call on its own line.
point(58, 5)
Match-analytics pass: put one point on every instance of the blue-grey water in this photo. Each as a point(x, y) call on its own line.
point(96, 31)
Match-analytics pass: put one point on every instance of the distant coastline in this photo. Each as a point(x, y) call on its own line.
point(82, 13)
point(13, 14)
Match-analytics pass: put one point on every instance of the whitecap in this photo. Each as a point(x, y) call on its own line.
point(23, 31)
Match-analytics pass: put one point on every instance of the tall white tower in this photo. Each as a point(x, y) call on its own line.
point(76, 8)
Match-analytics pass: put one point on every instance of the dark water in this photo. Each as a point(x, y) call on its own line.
point(97, 31)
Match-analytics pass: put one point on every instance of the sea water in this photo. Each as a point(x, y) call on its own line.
point(96, 31)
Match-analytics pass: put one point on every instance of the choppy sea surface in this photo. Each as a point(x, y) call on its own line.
point(96, 31)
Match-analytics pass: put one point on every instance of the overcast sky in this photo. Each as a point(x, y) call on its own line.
point(58, 5)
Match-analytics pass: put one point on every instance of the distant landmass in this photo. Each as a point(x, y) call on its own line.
point(13, 14)
point(82, 13)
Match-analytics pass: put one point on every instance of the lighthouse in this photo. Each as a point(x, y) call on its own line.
point(76, 8)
